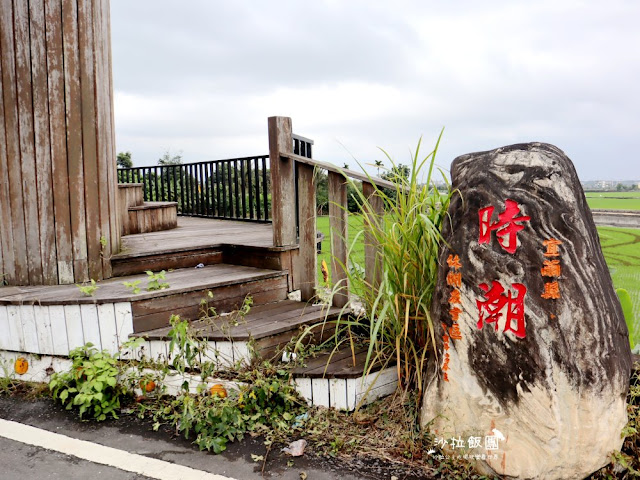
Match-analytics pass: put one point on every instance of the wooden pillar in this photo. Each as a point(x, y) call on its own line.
point(372, 253)
point(307, 263)
point(338, 216)
point(58, 186)
point(283, 185)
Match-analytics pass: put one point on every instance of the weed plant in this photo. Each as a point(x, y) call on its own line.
point(397, 322)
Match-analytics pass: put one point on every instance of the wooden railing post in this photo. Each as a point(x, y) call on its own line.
point(339, 231)
point(283, 191)
point(307, 264)
point(372, 253)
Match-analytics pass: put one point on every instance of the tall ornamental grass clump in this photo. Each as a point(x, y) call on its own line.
point(397, 318)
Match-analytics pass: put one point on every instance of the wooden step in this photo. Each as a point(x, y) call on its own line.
point(129, 195)
point(338, 379)
point(151, 217)
point(128, 263)
point(228, 284)
point(270, 326)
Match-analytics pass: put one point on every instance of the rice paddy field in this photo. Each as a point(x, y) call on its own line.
point(621, 248)
point(614, 200)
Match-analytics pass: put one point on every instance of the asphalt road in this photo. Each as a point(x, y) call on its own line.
point(25, 460)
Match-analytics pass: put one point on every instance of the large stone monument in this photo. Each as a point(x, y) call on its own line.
point(533, 357)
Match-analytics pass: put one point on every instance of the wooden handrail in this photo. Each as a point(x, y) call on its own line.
point(285, 166)
point(381, 183)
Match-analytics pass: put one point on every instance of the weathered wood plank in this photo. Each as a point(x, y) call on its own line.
point(343, 172)
point(338, 222)
point(151, 314)
point(108, 330)
point(306, 264)
point(26, 138)
point(5, 332)
point(15, 328)
point(42, 142)
point(372, 252)
point(91, 325)
point(58, 330)
point(105, 139)
point(136, 265)
point(124, 321)
point(73, 319)
point(283, 191)
point(338, 393)
point(74, 139)
point(321, 395)
point(29, 328)
point(7, 255)
point(45, 331)
point(303, 386)
point(89, 142)
point(60, 171)
point(13, 171)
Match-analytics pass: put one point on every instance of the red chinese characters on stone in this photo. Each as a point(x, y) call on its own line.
point(506, 228)
point(490, 310)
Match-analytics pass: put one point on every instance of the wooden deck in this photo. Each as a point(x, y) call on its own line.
point(195, 233)
point(206, 241)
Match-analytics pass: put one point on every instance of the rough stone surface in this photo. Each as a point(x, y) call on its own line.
point(549, 387)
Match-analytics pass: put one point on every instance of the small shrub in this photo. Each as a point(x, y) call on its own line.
point(91, 385)
point(154, 280)
point(88, 290)
point(133, 286)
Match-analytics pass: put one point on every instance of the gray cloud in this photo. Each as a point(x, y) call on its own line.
point(203, 76)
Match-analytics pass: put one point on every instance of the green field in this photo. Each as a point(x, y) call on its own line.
point(621, 248)
point(614, 200)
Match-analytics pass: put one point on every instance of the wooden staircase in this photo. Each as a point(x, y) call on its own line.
point(210, 265)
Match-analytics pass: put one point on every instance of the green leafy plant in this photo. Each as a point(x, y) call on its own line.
point(397, 321)
point(88, 290)
point(91, 385)
point(268, 403)
point(185, 347)
point(133, 286)
point(155, 280)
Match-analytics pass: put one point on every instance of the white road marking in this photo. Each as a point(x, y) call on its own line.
point(130, 462)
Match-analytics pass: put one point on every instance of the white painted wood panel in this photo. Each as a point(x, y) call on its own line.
point(43, 327)
point(108, 331)
point(303, 386)
point(91, 325)
point(338, 393)
point(16, 338)
point(124, 321)
point(5, 338)
point(352, 389)
point(320, 392)
point(29, 329)
point(73, 319)
point(158, 351)
point(225, 354)
point(377, 385)
point(58, 330)
point(241, 353)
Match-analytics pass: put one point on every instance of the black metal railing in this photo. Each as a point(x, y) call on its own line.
point(301, 146)
point(235, 189)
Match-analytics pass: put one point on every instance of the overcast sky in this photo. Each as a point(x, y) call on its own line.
point(200, 78)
